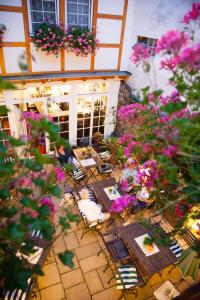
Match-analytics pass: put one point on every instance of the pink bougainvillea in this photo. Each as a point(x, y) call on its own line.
point(193, 14)
point(140, 53)
point(122, 203)
point(172, 42)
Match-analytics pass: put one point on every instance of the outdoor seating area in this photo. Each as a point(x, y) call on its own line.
point(111, 260)
point(99, 150)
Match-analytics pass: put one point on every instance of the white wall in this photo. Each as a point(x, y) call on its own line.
point(11, 57)
point(15, 26)
point(150, 19)
point(11, 2)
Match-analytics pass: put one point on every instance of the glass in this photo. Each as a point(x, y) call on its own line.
point(64, 126)
point(87, 132)
point(79, 133)
point(72, 8)
point(64, 135)
point(102, 120)
point(50, 17)
point(95, 121)
point(64, 106)
point(49, 6)
point(72, 19)
point(36, 4)
point(37, 16)
point(87, 123)
point(80, 123)
point(64, 119)
point(101, 129)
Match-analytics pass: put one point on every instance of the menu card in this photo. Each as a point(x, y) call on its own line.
point(112, 192)
point(148, 251)
point(88, 162)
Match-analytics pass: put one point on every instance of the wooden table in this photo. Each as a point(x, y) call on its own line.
point(98, 189)
point(79, 153)
point(149, 265)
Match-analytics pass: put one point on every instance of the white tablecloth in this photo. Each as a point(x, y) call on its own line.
point(112, 192)
point(140, 239)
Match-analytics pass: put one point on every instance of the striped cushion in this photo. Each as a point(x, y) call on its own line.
point(18, 294)
point(126, 277)
point(36, 233)
point(91, 196)
point(105, 169)
point(176, 249)
point(78, 174)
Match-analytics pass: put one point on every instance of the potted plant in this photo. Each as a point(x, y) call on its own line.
point(81, 41)
point(49, 38)
point(148, 243)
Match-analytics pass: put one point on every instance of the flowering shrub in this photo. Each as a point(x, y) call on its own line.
point(3, 29)
point(49, 38)
point(28, 189)
point(81, 41)
point(162, 131)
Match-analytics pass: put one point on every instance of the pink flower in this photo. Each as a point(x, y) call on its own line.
point(126, 138)
point(190, 57)
point(27, 210)
point(192, 14)
point(170, 151)
point(169, 63)
point(60, 175)
point(140, 54)
point(172, 41)
point(48, 202)
point(121, 203)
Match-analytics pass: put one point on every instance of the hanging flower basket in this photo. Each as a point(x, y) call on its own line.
point(3, 29)
point(49, 38)
point(81, 41)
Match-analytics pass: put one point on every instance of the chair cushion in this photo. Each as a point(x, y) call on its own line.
point(36, 234)
point(78, 174)
point(126, 277)
point(176, 249)
point(106, 168)
point(18, 294)
point(105, 155)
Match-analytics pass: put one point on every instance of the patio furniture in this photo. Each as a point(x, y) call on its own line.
point(18, 294)
point(176, 249)
point(150, 264)
point(166, 291)
point(105, 155)
point(88, 163)
point(105, 169)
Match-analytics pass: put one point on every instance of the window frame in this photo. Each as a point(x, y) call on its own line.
point(151, 43)
point(57, 2)
point(90, 15)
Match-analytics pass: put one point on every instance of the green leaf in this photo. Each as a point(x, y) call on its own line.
point(4, 194)
point(42, 159)
point(25, 191)
point(15, 232)
point(6, 85)
point(39, 181)
point(72, 217)
point(32, 165)
point(66, 258)
point(16, 142)
point(9, 211)
point(173, 107)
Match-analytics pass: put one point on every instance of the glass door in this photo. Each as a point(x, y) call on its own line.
point(90, 117)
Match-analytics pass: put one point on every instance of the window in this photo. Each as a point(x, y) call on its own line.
point(41, 11)
point(78, 12)
point(87, 88)
point(60, 114)
point(99, 114)
point(84, 118)
point(4, 128)
point(148, 42)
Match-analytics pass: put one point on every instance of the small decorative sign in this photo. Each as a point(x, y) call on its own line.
point(147, 249)
point(112, 192)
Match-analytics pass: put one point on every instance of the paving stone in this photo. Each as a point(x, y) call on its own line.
point(71, 241)
point(166, 272)
point(93, 282)
point(50, 258)
point(111, 293)
point(106, 276)
point(51, 276)
point(175, 275)
point(72, 278)
point(189, 280)
point(88, 238)
point(183, 285)
point(155, 279)
point(79, 291)
point(63, 268)
point(81, 224)
point(55, 292)
point(146, 291)
point(87, 250)
point(59, 245)
point(92, 262)
point(74, 227)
